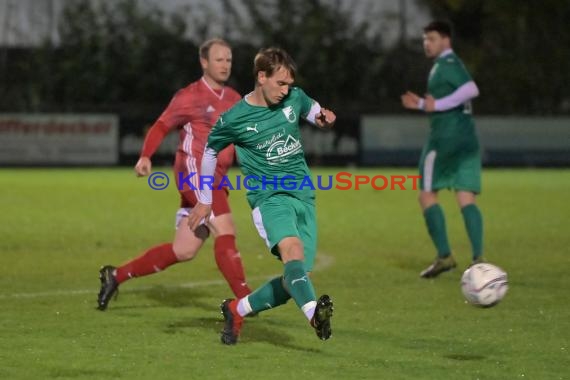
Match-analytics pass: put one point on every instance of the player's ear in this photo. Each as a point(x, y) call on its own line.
point(203, 63)
point(261, 77)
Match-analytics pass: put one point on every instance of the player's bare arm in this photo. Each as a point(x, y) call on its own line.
point(143, 167)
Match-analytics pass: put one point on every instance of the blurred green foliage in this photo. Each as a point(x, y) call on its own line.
point(120, 57)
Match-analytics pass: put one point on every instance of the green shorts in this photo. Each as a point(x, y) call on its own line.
point(448, 168)
point(281, 216)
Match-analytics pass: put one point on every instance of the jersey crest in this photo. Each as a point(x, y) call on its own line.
point(289, 113)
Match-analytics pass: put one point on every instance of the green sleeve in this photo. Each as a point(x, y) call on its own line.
point(456, 74)
point(306, 103)
point(222, 135)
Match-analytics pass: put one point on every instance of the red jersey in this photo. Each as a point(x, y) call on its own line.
point(193, 110)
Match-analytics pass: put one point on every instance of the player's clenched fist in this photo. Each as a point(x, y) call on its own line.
point(143, 167)
point(325, 118)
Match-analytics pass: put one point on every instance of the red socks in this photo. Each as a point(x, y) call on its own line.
point(162, 256)
point(154, 260)
point(229, 263)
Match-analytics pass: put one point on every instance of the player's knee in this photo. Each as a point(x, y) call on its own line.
point(427, 199)
point(221, 230)
point(465, 202)
point(222, 225)
point(465, 198)
point(291, 249)
point(184, 253)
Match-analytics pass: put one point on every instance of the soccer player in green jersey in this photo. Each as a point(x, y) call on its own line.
point(264, 128)
point(451, 157)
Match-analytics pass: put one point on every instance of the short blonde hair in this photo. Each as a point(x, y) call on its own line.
point(204, 49)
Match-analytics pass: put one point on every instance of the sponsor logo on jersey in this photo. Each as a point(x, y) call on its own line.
point(210, 108)
point(289, 113)
point(273, 139)
point(280, 150)
point(254, 128)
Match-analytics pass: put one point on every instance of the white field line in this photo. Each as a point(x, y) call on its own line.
point(323, 262)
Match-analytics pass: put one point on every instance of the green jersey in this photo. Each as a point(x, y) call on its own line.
point(268, 146)
point(447, 75)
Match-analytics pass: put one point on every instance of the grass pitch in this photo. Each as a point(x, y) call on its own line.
point(59, 226)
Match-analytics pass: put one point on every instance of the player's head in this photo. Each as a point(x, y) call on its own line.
point(437, 38)
point(216, 60)
point(274, 71)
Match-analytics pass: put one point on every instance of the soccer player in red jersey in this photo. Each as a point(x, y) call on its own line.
point(192, 112)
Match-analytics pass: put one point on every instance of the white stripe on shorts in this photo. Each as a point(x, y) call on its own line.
point(429, 163)
point(257, 220)
point(190, 159)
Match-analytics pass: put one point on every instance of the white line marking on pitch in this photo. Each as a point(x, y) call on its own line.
point(323, 262)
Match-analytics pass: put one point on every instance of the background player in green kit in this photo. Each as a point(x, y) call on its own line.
point(451, 157)
point(264, 127)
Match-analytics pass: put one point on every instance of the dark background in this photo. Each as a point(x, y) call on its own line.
point(118, 57)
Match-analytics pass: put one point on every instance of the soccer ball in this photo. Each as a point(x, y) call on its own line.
point(484, 284)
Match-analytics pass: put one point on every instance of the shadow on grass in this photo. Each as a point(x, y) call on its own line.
point(255, 330)
point(182, 297)
point(259, 331)
point(82, 373)
point(439, 344)
point(174, 297)
point(464, 357)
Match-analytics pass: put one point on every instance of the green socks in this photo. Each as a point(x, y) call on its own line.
point(269, 295)
point(435, 221)
point(474, 225)
point(298, 283)
point(294, 284)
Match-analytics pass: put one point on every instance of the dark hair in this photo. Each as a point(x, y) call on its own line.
point(204, 49)
point(269, 60)
point(441, 27)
